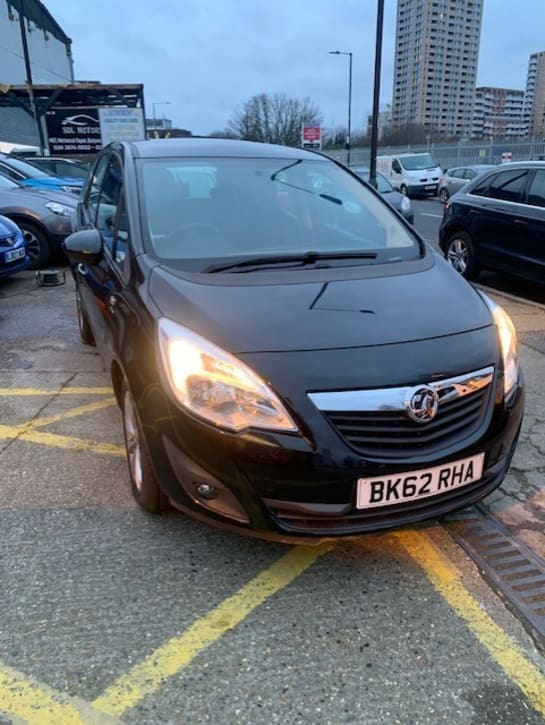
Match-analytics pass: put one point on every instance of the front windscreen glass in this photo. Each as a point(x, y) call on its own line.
point(418, 162)
point(198, 210)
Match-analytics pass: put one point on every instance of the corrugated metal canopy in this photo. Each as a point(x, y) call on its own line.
point(36, 12)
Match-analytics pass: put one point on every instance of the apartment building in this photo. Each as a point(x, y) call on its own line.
point(499, 113)
point(435, 71)
point(534, 107)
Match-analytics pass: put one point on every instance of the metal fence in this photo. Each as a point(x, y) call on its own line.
point(454, 154)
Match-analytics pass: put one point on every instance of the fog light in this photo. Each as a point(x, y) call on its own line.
point(205, 490)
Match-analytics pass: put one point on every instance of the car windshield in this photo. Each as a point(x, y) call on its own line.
point(197, 210)
point(28, 170)
point(6, 183)
point(418, 162)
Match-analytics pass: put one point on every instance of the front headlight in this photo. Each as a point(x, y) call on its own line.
point(215, 385)
point(59, 209)
point(406, 204)
point(508, 345)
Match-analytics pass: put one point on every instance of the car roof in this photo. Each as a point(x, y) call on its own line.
point(194, 147)
point(522, 164)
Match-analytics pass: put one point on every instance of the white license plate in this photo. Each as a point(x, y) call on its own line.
point(414, 485)
point(14, 254)
point(429, 188)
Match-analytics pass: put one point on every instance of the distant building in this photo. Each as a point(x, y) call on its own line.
point(158, 124)
point(499, 113)
point(534, 110)
point(50, 54)
point(435, 72)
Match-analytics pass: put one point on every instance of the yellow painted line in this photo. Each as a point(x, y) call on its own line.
point(24, 392)
point(504, 650)
point(22, 699)
point(60, 441)
point(150, 674)
point(72, 413)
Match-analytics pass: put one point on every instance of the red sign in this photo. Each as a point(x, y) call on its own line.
point(311, 135)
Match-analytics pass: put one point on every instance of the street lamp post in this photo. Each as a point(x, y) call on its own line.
point(376, 95)
point(153, 105)
point(349, 54)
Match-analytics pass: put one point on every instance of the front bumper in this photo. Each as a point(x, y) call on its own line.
point(288, 486)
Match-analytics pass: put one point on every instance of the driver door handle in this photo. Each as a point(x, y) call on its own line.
point(82, 269)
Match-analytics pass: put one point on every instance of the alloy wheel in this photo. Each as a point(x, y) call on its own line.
point(32, 244)
point(132, 439)
point(458, 255)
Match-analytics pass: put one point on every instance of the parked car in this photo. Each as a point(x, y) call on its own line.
point(497, 222)
point(28, 175)
point(289, 356)
point(411, 174)
point(60, 167)
point(13, 254)
point(400, 202)
point(454, 179)
point(42, 215)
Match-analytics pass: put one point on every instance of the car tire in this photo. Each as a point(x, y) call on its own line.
point(444, 196)
point(403, 189)
point(460, 254)
point(85, 332)
point(37, 244)
point(144, 486)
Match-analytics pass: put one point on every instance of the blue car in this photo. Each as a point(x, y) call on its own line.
point(13, 252)
point(27, 174)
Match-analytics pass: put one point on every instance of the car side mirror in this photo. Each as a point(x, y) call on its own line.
point(84, 246)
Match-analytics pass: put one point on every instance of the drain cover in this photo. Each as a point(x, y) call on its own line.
point(514, 571)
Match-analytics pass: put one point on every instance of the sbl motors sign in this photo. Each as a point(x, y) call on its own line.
point(311, 136)
point(87, 130)
point(73, 131)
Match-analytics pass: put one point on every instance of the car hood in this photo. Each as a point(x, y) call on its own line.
point(321, 315)
point(7, 227)
point(44, 195)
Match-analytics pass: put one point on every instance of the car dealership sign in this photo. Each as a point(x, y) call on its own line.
point(86, 130)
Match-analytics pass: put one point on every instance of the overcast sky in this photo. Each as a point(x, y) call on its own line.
point(209, 56)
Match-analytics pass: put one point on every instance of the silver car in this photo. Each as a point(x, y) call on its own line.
point(43, 216)
point(400, 202)
point(454, 179)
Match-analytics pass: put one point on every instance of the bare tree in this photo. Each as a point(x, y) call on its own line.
point(273, 119)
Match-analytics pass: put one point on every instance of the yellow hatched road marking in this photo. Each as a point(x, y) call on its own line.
point(28, 431)
point(150, 674)
point(446, 580)
point(26, 392)
point(24, 700)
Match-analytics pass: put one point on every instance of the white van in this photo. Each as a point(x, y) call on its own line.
point(411, 174)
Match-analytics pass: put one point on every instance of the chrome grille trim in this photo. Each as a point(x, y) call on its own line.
point(397, 399)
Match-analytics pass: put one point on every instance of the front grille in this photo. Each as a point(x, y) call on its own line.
point(375, 423)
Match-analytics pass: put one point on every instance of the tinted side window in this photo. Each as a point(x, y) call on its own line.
point(108, 201)
point(536, 193)
point(93, 194)
point(508, 185)
point(456, 173)
point(469, 174)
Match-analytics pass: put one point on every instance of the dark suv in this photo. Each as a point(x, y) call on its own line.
point(497, 222)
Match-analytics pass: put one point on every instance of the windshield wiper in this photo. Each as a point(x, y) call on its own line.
point(298, 259)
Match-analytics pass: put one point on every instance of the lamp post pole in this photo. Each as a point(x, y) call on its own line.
point(376, 95)
point(349, 54)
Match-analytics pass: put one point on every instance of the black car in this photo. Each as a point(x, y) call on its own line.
point(60, 167)
point(497, 222)
point(289, 356)
point(400, 202)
